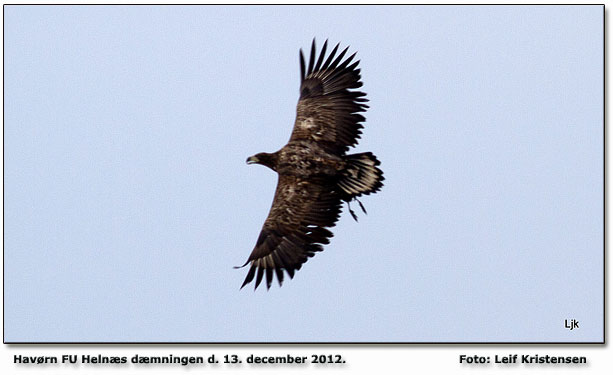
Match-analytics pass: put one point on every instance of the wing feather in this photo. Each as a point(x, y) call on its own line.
point(328, 109)
point(302, 71)
point(322, 54)
point(312, 59)
point(294, 230)
point(261, 269)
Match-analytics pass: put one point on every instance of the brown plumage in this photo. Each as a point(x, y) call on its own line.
point(315, 174)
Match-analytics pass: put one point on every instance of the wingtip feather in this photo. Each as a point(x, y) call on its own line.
point(312, 58)
point(302, 72)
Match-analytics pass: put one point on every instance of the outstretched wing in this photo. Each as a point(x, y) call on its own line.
point(295, 228)
point(328, 110)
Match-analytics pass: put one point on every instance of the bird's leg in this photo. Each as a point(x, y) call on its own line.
point(353, 215)
point(361, 206)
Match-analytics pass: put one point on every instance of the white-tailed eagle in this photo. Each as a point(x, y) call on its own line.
point(315, 173)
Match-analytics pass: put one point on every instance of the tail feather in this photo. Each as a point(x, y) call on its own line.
point(361, 176)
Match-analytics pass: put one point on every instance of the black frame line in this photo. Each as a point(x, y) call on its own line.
point(334, 343)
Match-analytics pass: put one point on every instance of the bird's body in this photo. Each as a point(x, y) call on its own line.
point(315, 173)
point(305, 159)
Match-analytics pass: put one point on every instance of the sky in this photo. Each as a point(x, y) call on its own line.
point(127, 199)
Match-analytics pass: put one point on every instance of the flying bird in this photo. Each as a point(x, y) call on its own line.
point(315, 173)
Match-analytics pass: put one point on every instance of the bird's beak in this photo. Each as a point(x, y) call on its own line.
point(252, 160)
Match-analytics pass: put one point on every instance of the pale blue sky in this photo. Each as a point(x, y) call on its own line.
point(128, 200)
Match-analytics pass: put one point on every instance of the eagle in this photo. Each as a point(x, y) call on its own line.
point(315, 173)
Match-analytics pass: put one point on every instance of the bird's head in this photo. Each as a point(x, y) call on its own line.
point(263, 158)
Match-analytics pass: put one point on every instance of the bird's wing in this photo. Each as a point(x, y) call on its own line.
point(295, 228)
point(328, 111)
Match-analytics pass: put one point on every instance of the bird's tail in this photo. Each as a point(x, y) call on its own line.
point(361, 175)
